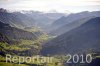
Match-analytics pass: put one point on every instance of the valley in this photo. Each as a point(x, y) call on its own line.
point(32, 33)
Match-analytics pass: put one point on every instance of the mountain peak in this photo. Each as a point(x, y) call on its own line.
point(3, 10)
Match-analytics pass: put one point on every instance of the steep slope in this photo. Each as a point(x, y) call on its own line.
point(72, 18)
point(29, 18)
point(41, 17)
point(15, 33)
point(69, 26)
point(19, 42)
point(27, 21)
point(43, 20)
point(11, 19)
point(16, 19)
point(81, 39)
point(3, 38)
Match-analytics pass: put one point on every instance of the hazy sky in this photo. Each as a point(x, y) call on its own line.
point(51, 5)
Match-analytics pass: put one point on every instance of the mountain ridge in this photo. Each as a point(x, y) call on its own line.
point(82, 38)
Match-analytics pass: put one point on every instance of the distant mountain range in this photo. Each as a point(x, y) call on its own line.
point(19, 35)
point(82, 39)
point(12, 19)
point(76, 32)
point(29, 18)
point(43, 20)
point(64, 24)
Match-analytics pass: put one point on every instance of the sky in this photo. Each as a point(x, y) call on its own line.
point(52, 5)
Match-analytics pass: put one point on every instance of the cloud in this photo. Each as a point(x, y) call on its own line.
point(45, 5)
point(3, 0)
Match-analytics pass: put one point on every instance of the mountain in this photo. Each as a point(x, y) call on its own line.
point(3, 38)
point(63, 21)
point(23, 42)
point(29, 18)
point(69, 26)
point(27, 21)
point(43, 20)
point(15, 33)
point(11, 19)
point(16, 19)
point(84, 38)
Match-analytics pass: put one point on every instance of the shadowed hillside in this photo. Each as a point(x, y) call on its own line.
point(80, 39)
